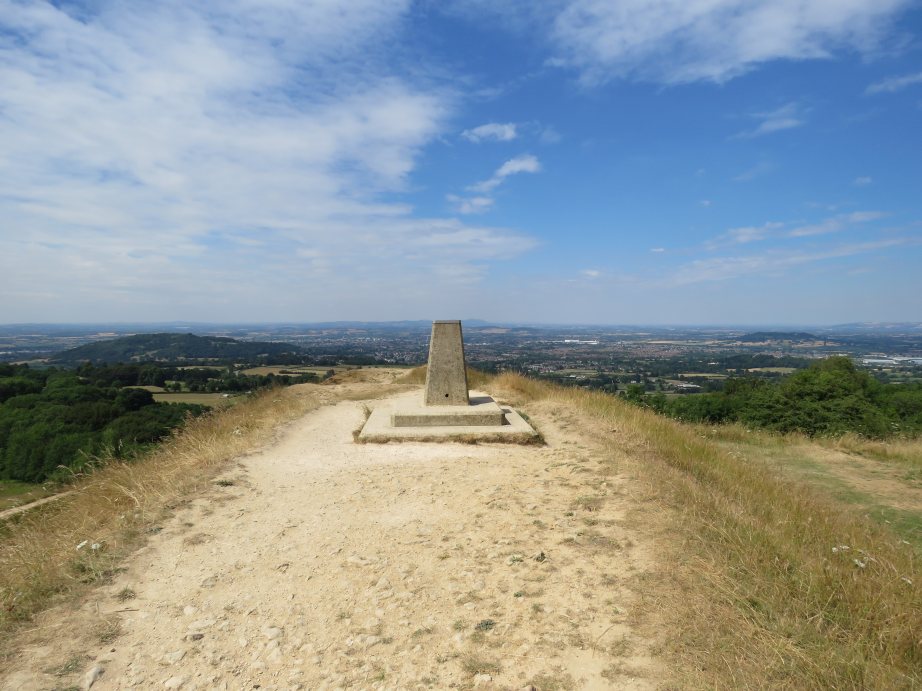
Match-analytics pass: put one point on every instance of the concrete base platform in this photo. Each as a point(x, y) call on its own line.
point(406, 418)
point(482, 411)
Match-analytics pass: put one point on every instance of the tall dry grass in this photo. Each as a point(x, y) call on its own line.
point(769, 582)
point(112, 510)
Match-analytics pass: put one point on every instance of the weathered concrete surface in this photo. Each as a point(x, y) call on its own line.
point(446, 376)
point(482, 410)
point(379, 426)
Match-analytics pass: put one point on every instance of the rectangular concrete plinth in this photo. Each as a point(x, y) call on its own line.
point(482, 411)
point(380, 425)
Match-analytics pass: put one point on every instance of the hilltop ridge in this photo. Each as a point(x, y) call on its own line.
point(172, 347)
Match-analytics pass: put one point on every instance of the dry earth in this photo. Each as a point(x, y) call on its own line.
point(319, 563)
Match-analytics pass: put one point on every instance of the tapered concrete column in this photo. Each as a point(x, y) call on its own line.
point(446, 376)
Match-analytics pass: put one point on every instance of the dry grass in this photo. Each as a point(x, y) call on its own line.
point(63, 547)
point(770, 582)
point(907, 452)
point(903, 451)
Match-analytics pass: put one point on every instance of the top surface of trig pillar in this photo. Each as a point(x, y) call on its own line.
point(446, 377)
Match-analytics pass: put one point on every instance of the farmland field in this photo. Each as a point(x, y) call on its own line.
point(13, 494)
point(289, 369)
point(209, 399)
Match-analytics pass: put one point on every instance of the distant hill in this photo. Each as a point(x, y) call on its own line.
point(172, 347)
point(763, 336)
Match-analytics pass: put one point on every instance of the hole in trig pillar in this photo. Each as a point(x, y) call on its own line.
point(446, 395)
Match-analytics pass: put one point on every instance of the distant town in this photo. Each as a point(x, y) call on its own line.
point(673, 360)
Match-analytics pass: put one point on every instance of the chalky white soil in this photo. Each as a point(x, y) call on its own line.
point(329, 564)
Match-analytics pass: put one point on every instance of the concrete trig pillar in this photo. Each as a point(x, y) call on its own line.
point(446, 376)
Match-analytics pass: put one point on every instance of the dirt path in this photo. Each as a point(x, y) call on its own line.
point(9, 513)
point(322, 564)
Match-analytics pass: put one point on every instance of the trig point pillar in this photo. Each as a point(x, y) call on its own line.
point(446, 377)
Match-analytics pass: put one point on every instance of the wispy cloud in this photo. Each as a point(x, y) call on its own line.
point(520, 164)
point(862, 181)
point(759, 169)
point(775, 229)
point(481, 200)
point(835, 224)
point(726, 268)
point(470, 205)
point(492, 131)
point(677, 41)
point(786, 117)
point(744, 235)
point(887, 86)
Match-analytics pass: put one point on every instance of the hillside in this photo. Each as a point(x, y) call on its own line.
point(769, 336)
point(172, 347)
point(630, 552)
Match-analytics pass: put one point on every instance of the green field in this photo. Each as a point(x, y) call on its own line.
point(209, 399)
point(297, 369)
point(13, 494)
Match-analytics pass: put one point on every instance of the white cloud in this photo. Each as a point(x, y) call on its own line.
point(786, 117)
point(480, 202)
point(894, 84)
point(242, 153)
point(520, 164)
point(862, 181)
point(492, 131)
point(591, 273)
point(677, 41)
point(658, 249)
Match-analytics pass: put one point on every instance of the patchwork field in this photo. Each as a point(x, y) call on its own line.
point(209, 399)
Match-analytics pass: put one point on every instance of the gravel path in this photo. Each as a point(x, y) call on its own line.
point(319, 563)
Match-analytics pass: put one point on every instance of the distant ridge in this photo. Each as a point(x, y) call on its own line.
point(171, 347)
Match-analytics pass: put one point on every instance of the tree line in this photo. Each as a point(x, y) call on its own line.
point(830, 397)
point(55, 421)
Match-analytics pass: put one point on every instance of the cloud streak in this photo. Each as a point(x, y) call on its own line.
point(520, 164)
point(776, 261)
point(776, 230)
point(786, 117)
point(894, 84)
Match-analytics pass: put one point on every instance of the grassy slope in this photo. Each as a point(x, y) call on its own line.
point(754, 590)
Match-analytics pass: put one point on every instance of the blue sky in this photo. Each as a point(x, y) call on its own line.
point(618, 161)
